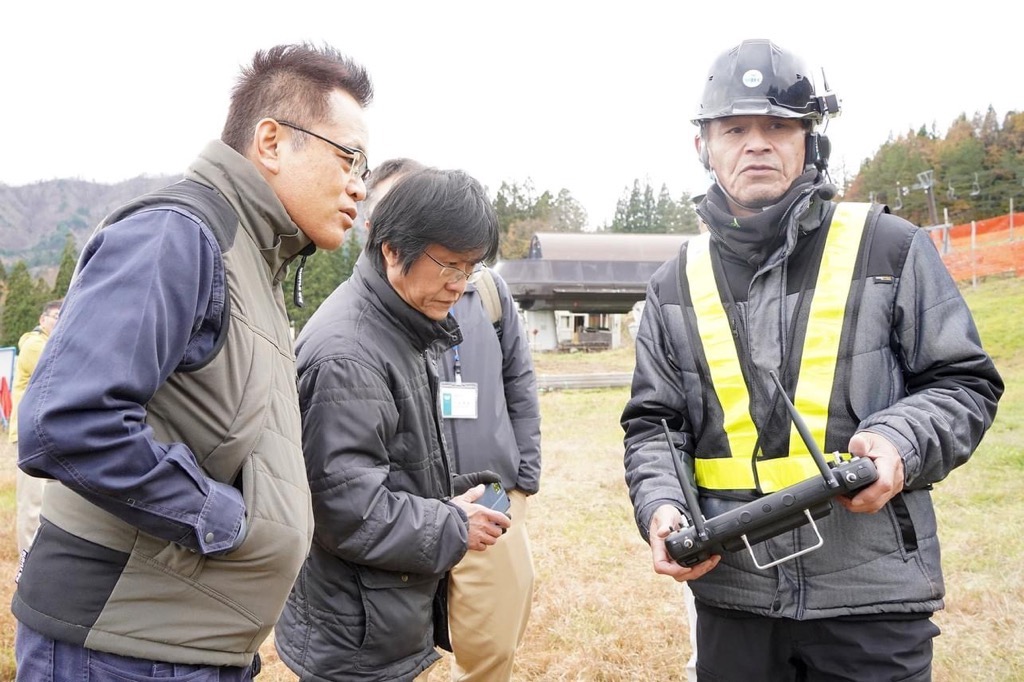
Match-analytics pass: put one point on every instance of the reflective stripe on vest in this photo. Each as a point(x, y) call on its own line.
point(817, 363)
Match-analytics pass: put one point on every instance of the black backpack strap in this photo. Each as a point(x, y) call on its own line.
point(205, 202)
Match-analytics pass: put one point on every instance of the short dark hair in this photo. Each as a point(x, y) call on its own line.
point(292, 83)
point(385, 170)
point(52, 305)
point(431, 206)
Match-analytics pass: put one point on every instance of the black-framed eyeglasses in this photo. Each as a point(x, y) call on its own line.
point(359, 165)
point(456, 275)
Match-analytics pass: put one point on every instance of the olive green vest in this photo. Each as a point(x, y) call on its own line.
point(239, 415)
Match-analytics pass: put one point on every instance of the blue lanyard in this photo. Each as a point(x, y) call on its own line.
point(458, 365)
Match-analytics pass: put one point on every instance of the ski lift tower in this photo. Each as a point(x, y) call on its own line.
point(926, 181)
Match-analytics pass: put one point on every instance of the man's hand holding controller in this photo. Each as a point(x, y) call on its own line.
point(667, 520)
point(888, 463)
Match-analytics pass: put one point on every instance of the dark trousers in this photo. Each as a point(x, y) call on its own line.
point(41, 659)
point(733, 646)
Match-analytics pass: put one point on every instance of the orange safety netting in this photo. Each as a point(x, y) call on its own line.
point(986, 248)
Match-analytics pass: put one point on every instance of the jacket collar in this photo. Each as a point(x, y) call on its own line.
point(260, 212)
point(756, 240)
point(422, 331)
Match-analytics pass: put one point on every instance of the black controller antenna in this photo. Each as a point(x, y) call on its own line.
point(805, 434)
point(684, 481)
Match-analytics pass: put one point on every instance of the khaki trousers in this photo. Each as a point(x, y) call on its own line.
point(29, 495)
point(489, 601)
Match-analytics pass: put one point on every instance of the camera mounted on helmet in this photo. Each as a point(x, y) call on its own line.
point(758, 78)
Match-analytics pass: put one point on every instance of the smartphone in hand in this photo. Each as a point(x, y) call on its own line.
point(496, 498)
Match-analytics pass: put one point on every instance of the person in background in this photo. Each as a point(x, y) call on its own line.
point(29, 490)
point(164, 406)
point(390, 522)
point(494, 426)
point(852, 308)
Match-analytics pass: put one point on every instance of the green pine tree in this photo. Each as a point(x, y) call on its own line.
point(24, 300)
point(68, 260)
point(640, 212)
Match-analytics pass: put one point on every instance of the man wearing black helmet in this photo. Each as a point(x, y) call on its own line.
point(853, 310)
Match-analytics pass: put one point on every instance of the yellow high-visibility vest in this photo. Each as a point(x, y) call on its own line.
point(817, 362)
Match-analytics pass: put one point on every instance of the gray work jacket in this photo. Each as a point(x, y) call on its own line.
point(911, 368)
point(505, 436)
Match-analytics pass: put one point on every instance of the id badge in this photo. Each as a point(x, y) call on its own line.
point(458, 401)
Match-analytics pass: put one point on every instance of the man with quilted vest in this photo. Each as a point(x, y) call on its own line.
point(164, 407)
point(852, 309)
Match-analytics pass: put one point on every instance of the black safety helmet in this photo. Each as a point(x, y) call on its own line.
point(758, 78)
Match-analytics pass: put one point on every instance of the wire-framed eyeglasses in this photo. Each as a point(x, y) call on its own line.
point(455, 275)
point(359, 165)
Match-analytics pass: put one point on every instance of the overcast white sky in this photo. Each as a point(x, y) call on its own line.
point(582, 96)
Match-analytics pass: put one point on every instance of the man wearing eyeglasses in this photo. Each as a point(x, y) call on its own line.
point(368, 604)
point(29, 490)
point(491, 424)
point(165, 405)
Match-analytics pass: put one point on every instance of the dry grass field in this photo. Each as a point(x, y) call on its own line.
point(600, 614)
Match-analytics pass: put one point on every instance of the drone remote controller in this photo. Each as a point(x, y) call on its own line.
point(771, 515)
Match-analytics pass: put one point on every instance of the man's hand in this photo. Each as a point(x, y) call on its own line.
point(666, 521)
point(889, 465)
point(485, 525)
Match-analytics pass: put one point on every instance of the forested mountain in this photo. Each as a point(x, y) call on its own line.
point(36, 219)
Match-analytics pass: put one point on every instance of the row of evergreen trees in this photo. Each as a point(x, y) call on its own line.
point(640, 212)
point(24, 296)
point(522, 213)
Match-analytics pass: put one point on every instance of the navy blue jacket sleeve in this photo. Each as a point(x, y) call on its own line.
point(147, 297)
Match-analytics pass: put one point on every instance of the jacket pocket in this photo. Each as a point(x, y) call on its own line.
point(875, 382)
point(904, 524)
point(398, 608)
point(171, 557)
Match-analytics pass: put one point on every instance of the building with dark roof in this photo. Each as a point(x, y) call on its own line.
point(574, 286)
